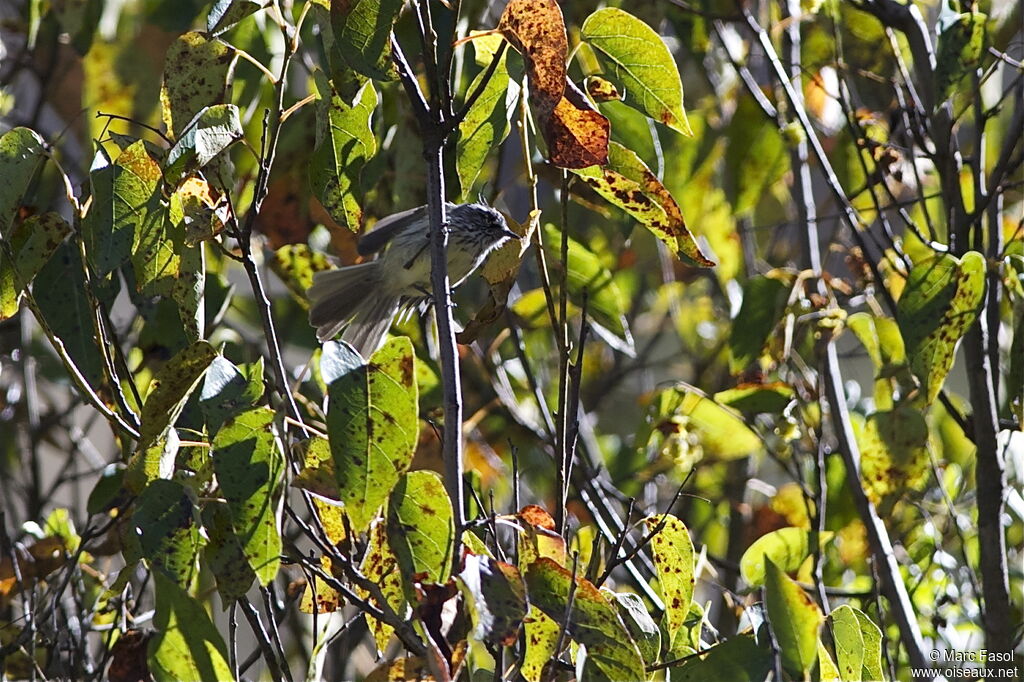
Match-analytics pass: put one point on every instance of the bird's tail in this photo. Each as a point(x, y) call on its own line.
point(352, 296)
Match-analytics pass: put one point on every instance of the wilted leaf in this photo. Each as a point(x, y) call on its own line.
point(380, 565)
point(227, 391)
point(738, 659)
point(32, 243)
point(486, 124)
point(197, 74)
point(592, 621)
point(21, 156)
point(637, 58)
point(764, 300)
point(225, 555)
point(164, 521)
point(249, 464)
point(576, 133)
point(601, 90)
point(296, 264)
point(170, 388)
point(589, 279)
point(894, 454)
point(38, 560)
point(795, 620)
point(496, 598)
point(362, 30)
point(211, 131)
point(344, 142)
point(187, 645)
point(128, 657)
point(939, 303)
point(421, 529)
point(629, 184)
point(672, 551)
point(372, 421)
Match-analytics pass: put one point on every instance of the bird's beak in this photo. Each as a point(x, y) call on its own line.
point(510, 234)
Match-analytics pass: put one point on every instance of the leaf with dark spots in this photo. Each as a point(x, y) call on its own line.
point(197, 74)
point(370, 451)
point(672, 551)
point(629, 184)
point(249, 464)
point(362, 29)
point(296, 264)
point(592, 621)
point(421, 528)
point(536, 29)
point(380, 565)
point(894, 452)
point(224, 554)
point(164, 522)
point(32, 243)
point(317, 474)
point(496, 597)
point(171, 387)
point(21, 155)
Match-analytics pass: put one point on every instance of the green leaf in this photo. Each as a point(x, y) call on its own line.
point(125, 199)
point(197, 74)
point(226, 13)
point(720, 432)
point(164, 521)
point(381, 566)
point(592, 621)
point(211, 131)
point(21, 156)
point(827, 669)
point(225, 555)
point(187, 645)
point(753, 398)
point(764, 301)
point(156, 461)
point(227, 391)
point(32, 243)
point(588, 278)
point(939, 303)
point(961, 44)
point(794, 619)
point(344, 142)
point(638, 622)
point(421, 530)
point(894, 452)
point(249, 464)
point(372, 421)
point(541, 640)
point(849, 643)
point(170, 388)
point(363, 34)
point(496, 598)
point(296, 264)
point(672, 552)
point(756, 157)
point(639, 61)
point(872, 638)
point(628, 183)
point(738, 659)
point(787, 548)
point(317, 475)
point(486, 124)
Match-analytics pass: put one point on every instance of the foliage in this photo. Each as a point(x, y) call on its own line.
point(743, 403)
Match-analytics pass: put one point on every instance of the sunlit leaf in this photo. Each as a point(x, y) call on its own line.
point(636, 58)
point(211, 131)
point(227, 391)
point(795, 620)
point(32, 243)
point(638, 622)
point(787, 548)
point(591, 622)
point(421, 529)
point(344, 142)
point(362, 30)
point(538, 540)
point(849, 643)
point(496, 596)
point(296, 264)
point(197, 74)
point(629, 184)
point(939, 303)
point(187, 645)
point(372, 421)
point(165, 524)
point(249, 464)
point(717, 431)
point(672, 552)
point(486, 124)
point(226, 13)
point(381, 566)
point(752, 398)
point(894, 455)
point(871, 636)
point(21, 156)
point(156, 461)
point(171, 387)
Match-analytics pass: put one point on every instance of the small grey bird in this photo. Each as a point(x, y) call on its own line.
point(363, 299)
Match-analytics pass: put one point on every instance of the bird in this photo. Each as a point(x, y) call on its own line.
point(361, 300)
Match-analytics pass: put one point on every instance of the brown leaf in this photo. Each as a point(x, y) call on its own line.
point(36, 561)
point(128, 660)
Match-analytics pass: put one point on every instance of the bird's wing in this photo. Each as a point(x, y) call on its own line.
point(386, 228)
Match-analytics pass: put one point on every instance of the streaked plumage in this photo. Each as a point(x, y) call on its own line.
point(362, 300)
